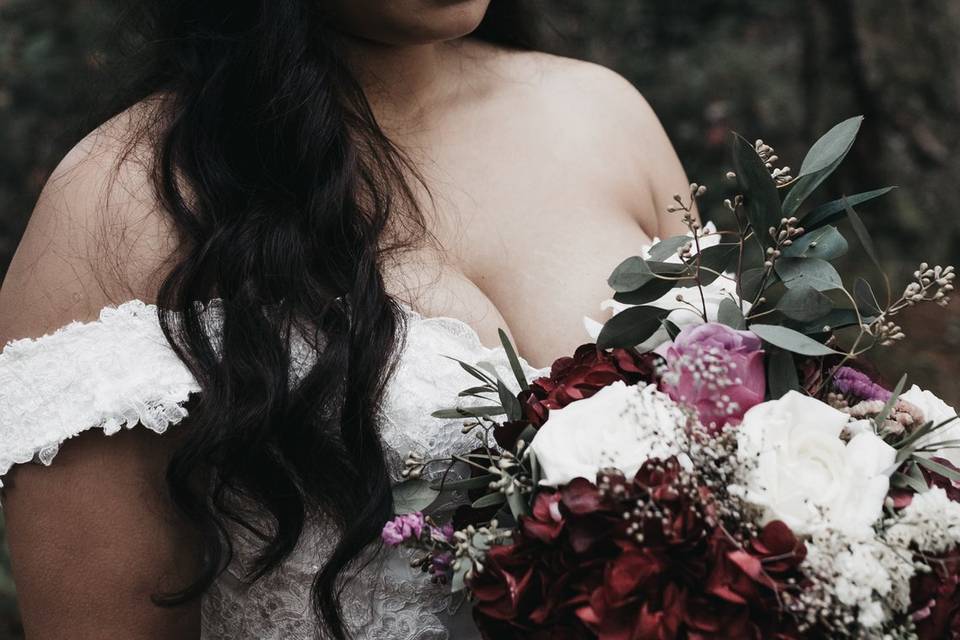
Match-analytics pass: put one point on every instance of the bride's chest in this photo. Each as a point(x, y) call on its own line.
point(526, 238)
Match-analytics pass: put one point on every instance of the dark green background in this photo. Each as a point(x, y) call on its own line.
point(783, 70)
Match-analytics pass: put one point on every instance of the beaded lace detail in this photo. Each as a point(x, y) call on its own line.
point(118, 371)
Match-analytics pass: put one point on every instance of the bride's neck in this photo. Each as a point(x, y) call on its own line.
point(400, 81)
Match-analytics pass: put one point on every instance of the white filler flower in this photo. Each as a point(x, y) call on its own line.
point(621, 426)
point(797, 468)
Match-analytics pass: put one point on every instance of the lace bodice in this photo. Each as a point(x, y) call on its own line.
point(95, 375)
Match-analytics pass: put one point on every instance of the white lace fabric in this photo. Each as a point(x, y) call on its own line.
point(118, 372)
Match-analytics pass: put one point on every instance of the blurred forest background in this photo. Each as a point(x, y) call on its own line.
point(782, 70)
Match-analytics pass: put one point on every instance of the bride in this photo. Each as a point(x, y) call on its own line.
point(303, 206)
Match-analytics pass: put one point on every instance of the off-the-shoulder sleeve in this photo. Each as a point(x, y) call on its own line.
point(111, 373)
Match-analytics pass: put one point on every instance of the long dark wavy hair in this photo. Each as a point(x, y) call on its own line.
point(286, 197)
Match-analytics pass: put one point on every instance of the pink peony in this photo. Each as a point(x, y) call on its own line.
point(716, 370)
point(402, 528)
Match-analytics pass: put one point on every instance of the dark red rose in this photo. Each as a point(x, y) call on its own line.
point(502, 590)
point(546, 523)
point(935, 597)
point(575, 378)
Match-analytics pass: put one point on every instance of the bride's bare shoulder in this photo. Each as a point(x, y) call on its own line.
point(595, 112)
point(96, 236)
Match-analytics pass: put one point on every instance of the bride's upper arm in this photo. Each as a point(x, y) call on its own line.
point(93, 536)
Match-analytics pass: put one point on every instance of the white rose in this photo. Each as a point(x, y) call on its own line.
point(621, 426)
point(937, 411)
point(799, 470)
point(681, 314)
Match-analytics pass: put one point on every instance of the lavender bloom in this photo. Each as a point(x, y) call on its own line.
point(442, 534)
point(851, 382)
point(441, 565)
point(402, 528)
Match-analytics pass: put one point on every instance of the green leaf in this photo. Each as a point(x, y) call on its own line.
point(781, 373)
point(835, 145)
point(489, 500)
point(804, 303)
point(474, 371)
point(668, 248)
point(904, 481)
point(458, 413)
point(518, 505)
point(631, 274)
point(881, 417)
point(718, 259)
point(938, 468)
point(791, 340)
point(475, 391)
point(750, 281)
point(656, 287)
point(864, 236)
point(759, 190)
point(479, 482)
point(631, 327)
point(812, 272)
point(825, 243)
point(514, 361)
point(413, 495)
point(836, 209)
point(672, 329)
point(831, 147)
point(730, 314)
point(509, 401)
point(866, 300)
point(836, 319)
point(458, 582)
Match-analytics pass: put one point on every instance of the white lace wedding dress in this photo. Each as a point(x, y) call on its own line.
point(118, 372)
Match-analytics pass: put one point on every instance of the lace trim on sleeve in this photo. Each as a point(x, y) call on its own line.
point(110, 373)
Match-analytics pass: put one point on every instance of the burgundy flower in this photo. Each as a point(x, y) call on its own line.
point(575, 378)
point(936, 599)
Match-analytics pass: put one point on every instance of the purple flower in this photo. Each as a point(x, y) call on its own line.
point(851, 382)
point(442, 534)
point(402, 528)
point(716, 370)
point(441, 565)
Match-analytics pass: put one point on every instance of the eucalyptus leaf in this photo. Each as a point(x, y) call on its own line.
point(489, 500)
point(834, 144)
point(881, 417)
point(825, 243)
point(730, 314)
point(631, 274)
point(668, 248)
point(759, 190)
point(458, 413)
point(514, 360)
point(831, 147)
point(509, 401)
point(518, 505)
point(479, 482)
point(458, 582)
point(864, 236)
point(718, 259)
point(812, 272)
point(750, 282)
point(781, 373)
point(866, 300)
point(804, 303)
point(939, 469)
point(837, 209)
point(672, 329)
point(835, 319)
point(413, 495)
point(631, 327)
point(791, 340)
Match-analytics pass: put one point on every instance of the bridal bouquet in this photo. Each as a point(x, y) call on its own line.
point(722, 462)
